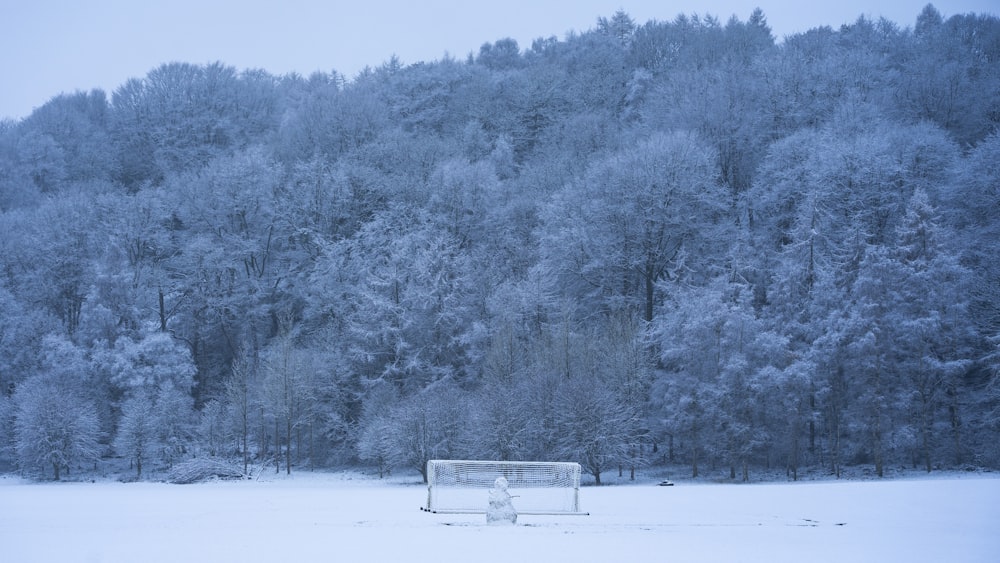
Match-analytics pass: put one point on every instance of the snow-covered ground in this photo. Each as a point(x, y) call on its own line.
point(347, 517)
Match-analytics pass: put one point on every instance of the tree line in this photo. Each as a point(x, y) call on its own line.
point(681, 242)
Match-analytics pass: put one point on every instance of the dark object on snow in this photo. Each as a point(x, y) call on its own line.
point(202, 469)
point(667, 483)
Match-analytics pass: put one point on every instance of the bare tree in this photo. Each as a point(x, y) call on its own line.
point(239, 389)
point(288, 390)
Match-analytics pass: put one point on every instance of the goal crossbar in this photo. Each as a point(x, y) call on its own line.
point(538, 487)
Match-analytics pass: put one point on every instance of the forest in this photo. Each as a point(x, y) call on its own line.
point(679, 243)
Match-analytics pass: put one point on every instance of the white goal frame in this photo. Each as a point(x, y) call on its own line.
point(538, 487)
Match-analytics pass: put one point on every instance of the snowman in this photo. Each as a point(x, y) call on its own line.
point(501, 509)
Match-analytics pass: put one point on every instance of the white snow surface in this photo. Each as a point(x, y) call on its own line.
point(350, 517)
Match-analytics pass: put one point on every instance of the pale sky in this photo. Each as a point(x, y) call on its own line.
point(48, 47)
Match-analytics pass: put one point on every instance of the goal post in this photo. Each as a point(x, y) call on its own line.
point(538, 487)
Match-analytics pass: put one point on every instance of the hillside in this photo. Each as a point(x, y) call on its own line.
point(672, 242)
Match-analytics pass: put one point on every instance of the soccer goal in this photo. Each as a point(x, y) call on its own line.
point(538, 487)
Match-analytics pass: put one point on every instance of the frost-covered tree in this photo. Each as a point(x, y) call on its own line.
point(137, 285)
point(436, 424)
point(500, 55)
point(376, 444)
point(156, 361)
point(719, 363)
point(8, 452)
point(328, 117)
point(137, 436)
point(870, 346)
point(213, 434)
point(175, 422)
point(20, 339)
point(49, 257)
point(629, 224)
point(626, 359)
point(55, 426)
point(181, 115)
point(502, 424)
point(288, 386)
point(593, 425)
point(408, 305)
point(620, 26)
point(157, 372)
point(77, 124)
point(968, 209)
point(945, 60)
point(242, 398)
point(933, 335)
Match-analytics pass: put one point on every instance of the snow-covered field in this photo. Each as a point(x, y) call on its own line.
point(347, 517)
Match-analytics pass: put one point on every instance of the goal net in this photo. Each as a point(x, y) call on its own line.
point(538, 487)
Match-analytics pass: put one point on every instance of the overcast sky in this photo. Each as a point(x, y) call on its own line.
point(48, 47)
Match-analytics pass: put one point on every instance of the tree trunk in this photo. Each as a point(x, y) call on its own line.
point(163, 311)
point(925, 437)
point(835, 413)
point(877, 426)
point(956, 424)
point(288, 445)
point(312, 452)
point(264, 446)
point(812, 423)
point(246, 452)
point(877, 446)
point(835, 455)
point(793, 455)
point(650, 287)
